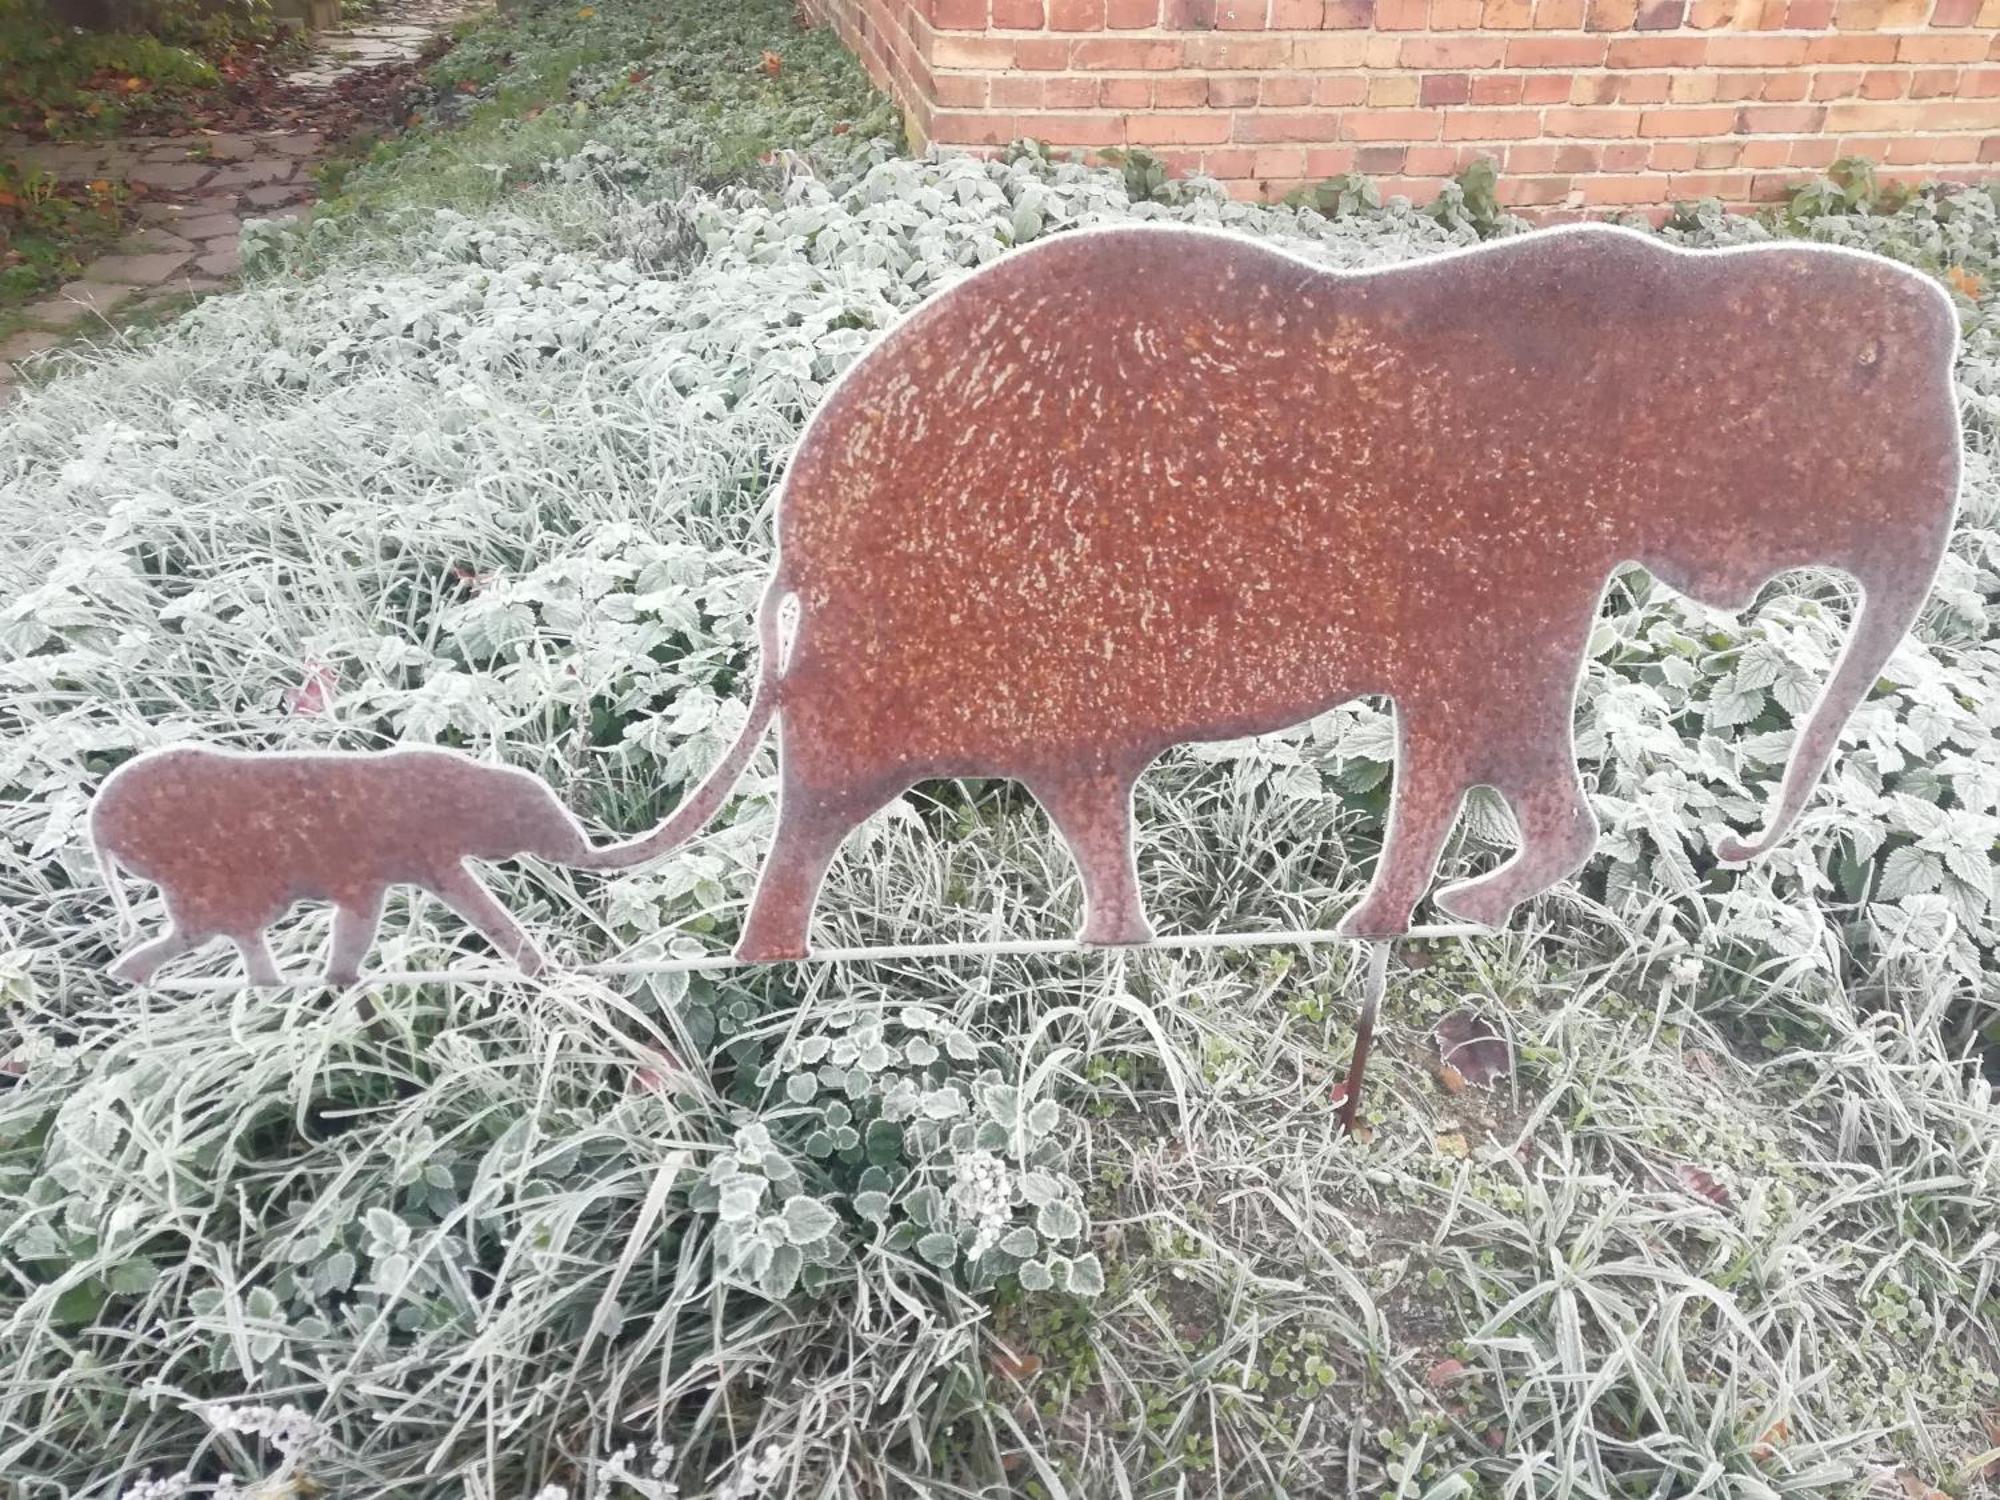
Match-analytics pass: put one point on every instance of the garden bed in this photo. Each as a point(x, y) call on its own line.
point(483, 456)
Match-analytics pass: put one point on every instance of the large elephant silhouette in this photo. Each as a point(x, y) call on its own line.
point(1136, 487)
point(234, 839)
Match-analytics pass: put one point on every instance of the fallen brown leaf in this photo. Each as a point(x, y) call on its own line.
point(1703, 1185)
point(1016, 1367)
point(1468, 1044)
point(1444, 1372)
point(1916, 1488)
point(771, 63)
point(1965, 281)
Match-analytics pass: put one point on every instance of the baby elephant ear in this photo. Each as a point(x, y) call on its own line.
point(1888, 610)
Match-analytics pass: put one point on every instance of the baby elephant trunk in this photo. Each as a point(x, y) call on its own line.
point(1891, 601)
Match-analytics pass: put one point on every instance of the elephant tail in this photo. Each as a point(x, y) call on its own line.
point(705, 800)
point(107, 864)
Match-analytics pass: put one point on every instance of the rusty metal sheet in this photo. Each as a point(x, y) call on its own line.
point(233, 840)
point(1135, 487)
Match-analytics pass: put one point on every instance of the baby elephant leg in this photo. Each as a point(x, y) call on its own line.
point(462, 891)
point(1094, 816)
point(1558, 833)
point(257, 958)
point(137, 967)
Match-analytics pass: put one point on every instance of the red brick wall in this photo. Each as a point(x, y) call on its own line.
point(1580, 103)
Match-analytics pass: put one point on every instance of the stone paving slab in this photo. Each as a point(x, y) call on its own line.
point(78, 301)
point(137, 270)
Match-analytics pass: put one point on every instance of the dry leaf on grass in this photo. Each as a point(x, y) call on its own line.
point(1470, 1052)
point(1703, 1185)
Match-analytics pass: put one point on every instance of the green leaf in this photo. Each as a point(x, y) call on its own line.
point(782, 1274)
point(1058, 1221)
point(129, 1278)
point(1035, 1277)
point(1086, 1276)
point(884, 1141)
point(939, 1248)
point(874, 1207)
point(807, 1219)
point(1021, 1243)
point(801, 1088)
point(80, 1304)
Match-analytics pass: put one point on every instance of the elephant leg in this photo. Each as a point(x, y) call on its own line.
point(1094, 816)
point(137, 967)
point(811, 828)
point(1558, 833)
point(465, 894)
point(257, 958)
point(1430, 783)
point(354, 927)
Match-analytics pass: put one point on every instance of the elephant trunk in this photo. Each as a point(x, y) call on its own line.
point(1889, 607)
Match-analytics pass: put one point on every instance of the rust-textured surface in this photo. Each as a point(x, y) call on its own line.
point(233, 840)
point(1132, 488)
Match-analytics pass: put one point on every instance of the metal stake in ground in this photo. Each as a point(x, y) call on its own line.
point(1372, 990)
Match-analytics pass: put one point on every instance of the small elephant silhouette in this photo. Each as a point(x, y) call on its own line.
point(1130, 488)
point(234, 839)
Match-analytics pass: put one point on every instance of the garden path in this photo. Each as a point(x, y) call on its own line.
point(199, 188)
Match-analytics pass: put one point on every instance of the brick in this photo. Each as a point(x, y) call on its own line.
point(1383, 49)
point(1691, 88)
point(1284, 90)
point(1560, 15)
point(1049, 54)
point(1347, 50)
point(1446, 88)
point(1555, 52)
point(1208, 128)
point(1233, 93)
point(1260, 128)
point(1828, 84)
point(1242, 15)
point(1507, 15)
point(958, 15)
point(1375, 160)
point(959, 90)
point(1340, 90)
point(1182, 91)
point(1076, 15)
point(1851, 49)
point(1501, 88)
point(1809, 15)
point(1687, 122)
point(1709, 154)
point(1401, 15)
point(1991, 150)
point(1761, 51)
point(1297, 15)
point(1979, 83)
point(1228, 164)
point(1396, 92)
point(1456, 15)
point(1592, 88)
point(1015, 91)
point(1222, 53)
point(1725, 185)
point(1525, 192)
point(1392, 125)
point(1125, 93)
point(1661, 15)
point(1073, 129)
point(1071, 93)
point(1423, 161)
point(1606, 188)
point(1279, 161)
point(1328, 161)
point(1730, 87)
point(1785, 88)
point(1771, 186)
point(1671, 156)
point(1655, 52)
point(1019, 15)
point(1425, 52)
point(1540, 88)
point(1492, 124)
point(954, 129)
point(1642, 88)
point(1131, 15)
point(1934, 83)
point(1781, 119)
point(1625, 156)
point(1187, 15)
point(1706, 15)
point(1611, 15)
point(947, 51)
point(1765, 153)
point(1591, 124)
point(1954, 12)
point(1941, 49)
point(1347, 15)
point(1133, 56)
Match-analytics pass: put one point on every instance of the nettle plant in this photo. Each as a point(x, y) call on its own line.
point(962, 1168)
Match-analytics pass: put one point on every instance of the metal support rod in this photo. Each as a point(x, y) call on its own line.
point(1373, 988)
point(711, 962)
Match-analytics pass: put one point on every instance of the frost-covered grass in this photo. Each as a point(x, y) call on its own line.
point(498, 475)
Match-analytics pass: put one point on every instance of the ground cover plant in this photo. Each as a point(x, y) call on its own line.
point(484, 458)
